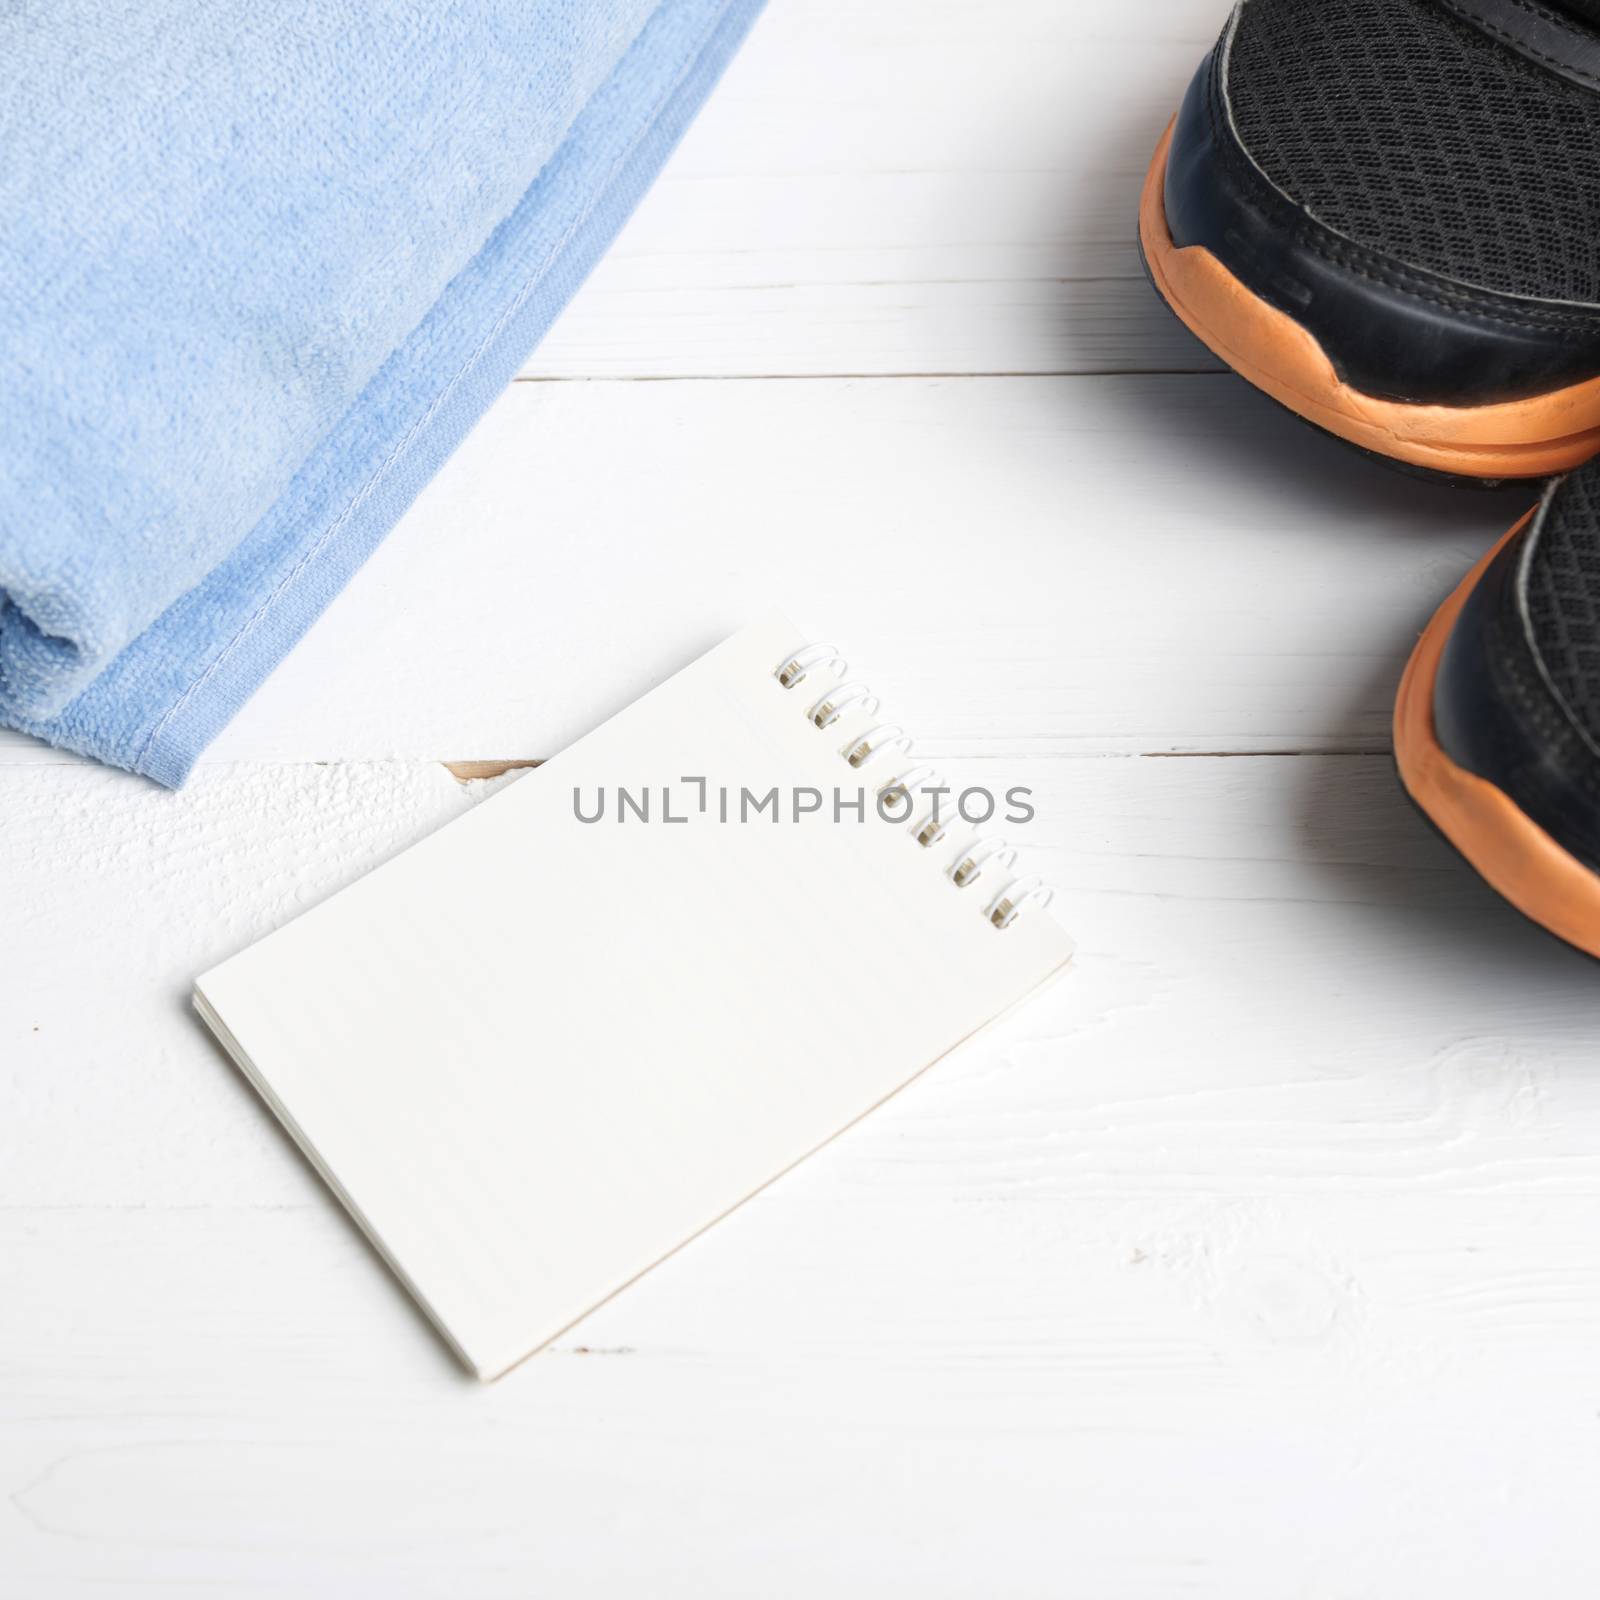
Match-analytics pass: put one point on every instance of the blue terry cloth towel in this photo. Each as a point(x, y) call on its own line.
point(261, 267)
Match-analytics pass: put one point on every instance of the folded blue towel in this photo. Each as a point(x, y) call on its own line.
point(261, 268)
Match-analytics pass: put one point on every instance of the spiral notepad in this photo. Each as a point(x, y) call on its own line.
point(541, 1050)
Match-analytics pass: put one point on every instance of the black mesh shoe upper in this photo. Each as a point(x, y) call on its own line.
point(1561, 594)
point(1517, 696)
point(1414, 134)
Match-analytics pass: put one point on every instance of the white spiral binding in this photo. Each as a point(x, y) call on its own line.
point(984, 856)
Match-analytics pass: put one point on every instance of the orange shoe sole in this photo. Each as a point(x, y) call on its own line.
point(1509, 850)
point(1530, 438)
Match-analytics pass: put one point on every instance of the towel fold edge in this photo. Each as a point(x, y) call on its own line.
point(419, 408)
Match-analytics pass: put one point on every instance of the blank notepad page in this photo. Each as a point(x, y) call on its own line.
point(537, 1053)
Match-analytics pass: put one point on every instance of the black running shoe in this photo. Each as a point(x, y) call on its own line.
point(1497, 726)
point(1386, 214)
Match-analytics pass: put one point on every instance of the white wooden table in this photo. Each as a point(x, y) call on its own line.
point(1260, 1258)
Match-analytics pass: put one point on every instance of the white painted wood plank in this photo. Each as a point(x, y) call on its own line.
point(942, 1400)
point(1286, 983)
point(1255, 1258)
point(906, 186)
point(1040, 565)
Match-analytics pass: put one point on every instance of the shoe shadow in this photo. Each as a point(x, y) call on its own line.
point(1360, 834)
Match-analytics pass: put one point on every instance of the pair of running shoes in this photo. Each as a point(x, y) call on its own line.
point(1386, 215)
